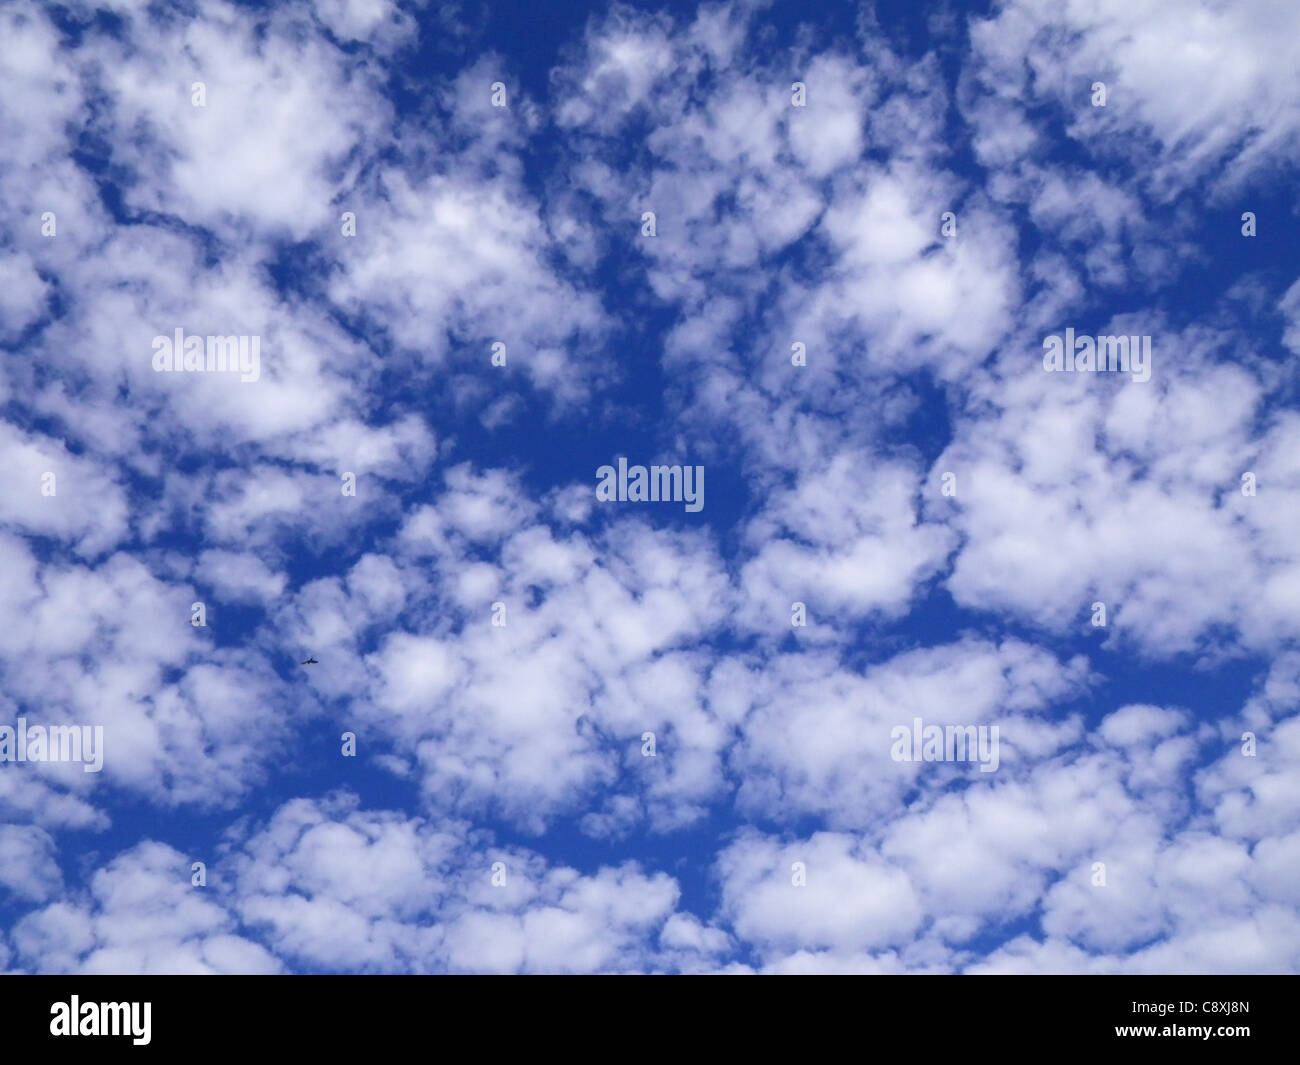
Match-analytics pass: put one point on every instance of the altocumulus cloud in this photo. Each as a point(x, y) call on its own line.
point(811, 253)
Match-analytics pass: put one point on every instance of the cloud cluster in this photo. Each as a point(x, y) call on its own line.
point(591, 737)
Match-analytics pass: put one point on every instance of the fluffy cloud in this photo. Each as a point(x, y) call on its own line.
point(588, 736)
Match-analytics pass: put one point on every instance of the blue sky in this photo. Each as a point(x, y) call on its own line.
point(336, 180)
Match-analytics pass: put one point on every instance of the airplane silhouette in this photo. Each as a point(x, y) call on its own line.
point(310, 662)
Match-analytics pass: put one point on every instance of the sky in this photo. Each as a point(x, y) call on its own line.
point(822, 257)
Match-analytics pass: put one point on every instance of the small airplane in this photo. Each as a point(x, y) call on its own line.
point(309, 662)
